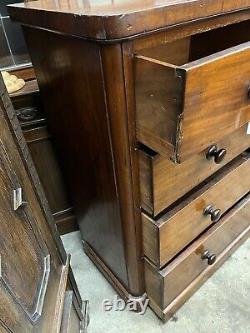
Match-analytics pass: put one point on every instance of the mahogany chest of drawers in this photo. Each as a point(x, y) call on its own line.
point(149, 104)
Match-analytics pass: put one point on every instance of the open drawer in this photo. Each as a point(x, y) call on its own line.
point(188, 96)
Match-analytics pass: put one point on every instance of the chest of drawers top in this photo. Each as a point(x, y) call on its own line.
point(111, 20)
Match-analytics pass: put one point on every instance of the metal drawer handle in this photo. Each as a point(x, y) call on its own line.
point(18, 199)
point(213, 212)
point(217, 154)
point(210, 257)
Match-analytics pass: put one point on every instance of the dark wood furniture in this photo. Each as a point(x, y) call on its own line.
point(37, 288)
point(30, 113)
point(149, 106)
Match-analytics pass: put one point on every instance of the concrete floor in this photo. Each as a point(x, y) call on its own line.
point(222, 305)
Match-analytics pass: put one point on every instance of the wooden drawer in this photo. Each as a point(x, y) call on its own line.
point(163, 182)
point(166, 237)
point(166, 287)
point(184, 101)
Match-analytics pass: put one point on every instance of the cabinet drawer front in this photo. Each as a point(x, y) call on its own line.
point(163, 182)
point(212, 106)
point(182, 109)
point(167, 236)
point(165, 285)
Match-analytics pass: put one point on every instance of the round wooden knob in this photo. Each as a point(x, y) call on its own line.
point(213, 212)
point(217, 154)
point(210, 257)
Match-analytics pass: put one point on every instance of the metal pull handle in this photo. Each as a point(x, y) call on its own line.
point(18, 198)
point(213, 212)
point(217, 154)
point(210, 257)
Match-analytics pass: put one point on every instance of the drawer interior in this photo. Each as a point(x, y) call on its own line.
point(183, 51)
point(164, 88)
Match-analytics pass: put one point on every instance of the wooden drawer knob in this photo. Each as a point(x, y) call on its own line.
point(210, 257)
point(217, 154)
point(213, 212)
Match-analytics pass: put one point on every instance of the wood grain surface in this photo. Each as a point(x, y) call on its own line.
point(165, 285)
point(163, 182)
point(183, 105)
point(116, 20)
point(168, 235)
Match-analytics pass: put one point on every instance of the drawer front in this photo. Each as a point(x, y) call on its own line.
point(165, 285)
point(182, 109)
point(212, 107)
point(167, 236)
point(163, 182)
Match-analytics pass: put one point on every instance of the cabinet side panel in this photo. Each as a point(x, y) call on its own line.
point(69, 75)
point(117, 77)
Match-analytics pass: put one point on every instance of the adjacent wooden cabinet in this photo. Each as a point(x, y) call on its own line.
point(32, 118)
point(149, 107)
point(37, 287)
